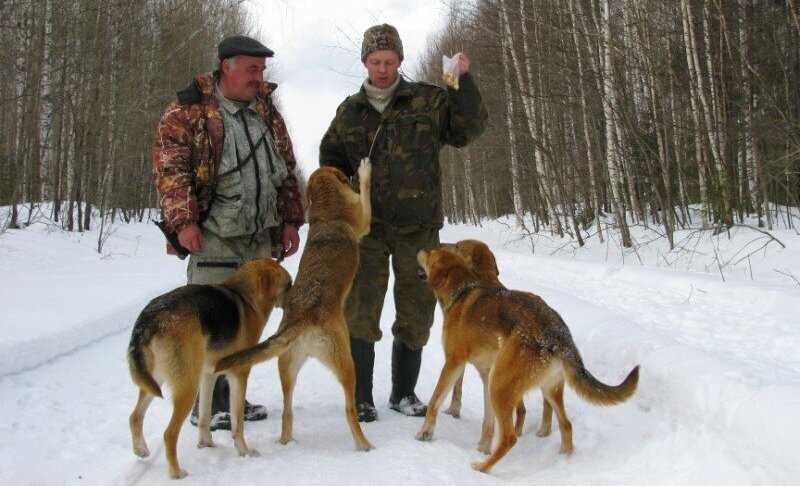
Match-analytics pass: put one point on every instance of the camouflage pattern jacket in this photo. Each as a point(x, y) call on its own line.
point(187, 150)
point(406, 176)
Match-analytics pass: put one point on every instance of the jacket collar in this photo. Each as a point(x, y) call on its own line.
point(403, 90)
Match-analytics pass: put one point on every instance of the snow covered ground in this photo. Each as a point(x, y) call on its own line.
point(716, 332)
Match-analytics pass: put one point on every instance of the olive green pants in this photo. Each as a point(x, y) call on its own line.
point(414, 302)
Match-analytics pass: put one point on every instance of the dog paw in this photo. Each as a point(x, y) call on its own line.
point(542, 432)
point(141, 451)
point(365, 169)
point(364, 447)
point(424, 435)
point(480, 467)
point(485, 448)
point(453, 411)
point(203, 443)
point(251, 453)
point(284, 440)
point(178, 474)
point(565, 449)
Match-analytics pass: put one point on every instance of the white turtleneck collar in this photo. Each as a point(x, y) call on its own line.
point(379, 98)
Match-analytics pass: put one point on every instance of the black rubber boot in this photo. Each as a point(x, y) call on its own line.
point(406, 363)
point(220, 407)
point(364, 360)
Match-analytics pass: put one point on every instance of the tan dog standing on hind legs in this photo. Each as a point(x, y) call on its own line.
point(178, 339)
point(313, 321)
point(537, 351)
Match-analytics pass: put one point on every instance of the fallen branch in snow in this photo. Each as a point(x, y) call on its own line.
point(789, 274)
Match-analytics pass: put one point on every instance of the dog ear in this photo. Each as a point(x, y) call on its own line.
point(437, 275)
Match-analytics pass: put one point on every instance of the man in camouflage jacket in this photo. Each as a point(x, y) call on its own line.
point(187, 150)
point(401, 126)
point(227, 199)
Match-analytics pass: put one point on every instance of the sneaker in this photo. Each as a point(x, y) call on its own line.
point(219, 421)
point(410, 405)
point(254, 412)
point(366, 412)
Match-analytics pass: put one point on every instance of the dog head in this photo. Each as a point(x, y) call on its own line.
point(445, 271)
point(480, 259)
point(264, 280)
point(330, 196)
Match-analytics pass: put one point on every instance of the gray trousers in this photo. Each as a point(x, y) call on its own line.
point(220, 257)
point(218, 260)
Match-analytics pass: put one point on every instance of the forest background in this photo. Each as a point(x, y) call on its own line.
point(631, 109)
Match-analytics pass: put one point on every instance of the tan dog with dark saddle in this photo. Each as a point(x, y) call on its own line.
point(313, 321)
point(178, 339)
point(522, 340)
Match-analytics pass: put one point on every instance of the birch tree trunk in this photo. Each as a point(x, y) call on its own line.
point(609, 101)
point(516, 196)
point(752, 197)
point(528, 109)
point(593, 183)
point(695, 108)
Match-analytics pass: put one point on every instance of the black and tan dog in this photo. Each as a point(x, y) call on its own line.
point(313, 323)
point(178, 339)
point(522, 340)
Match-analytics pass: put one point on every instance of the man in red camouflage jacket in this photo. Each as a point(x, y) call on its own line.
point(223, 165)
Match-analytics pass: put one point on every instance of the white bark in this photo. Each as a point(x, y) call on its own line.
point(585, 117)
point(698, 139)
point(528, 105)
point(609, 101)
point(516, 195)
point(748, 144)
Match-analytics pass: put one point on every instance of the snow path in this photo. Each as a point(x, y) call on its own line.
point(717, 401)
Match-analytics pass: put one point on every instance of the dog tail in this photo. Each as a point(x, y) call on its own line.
point(263, 351)
point(593, 390)
point(137, 361)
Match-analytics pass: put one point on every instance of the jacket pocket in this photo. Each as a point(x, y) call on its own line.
point(417, 132)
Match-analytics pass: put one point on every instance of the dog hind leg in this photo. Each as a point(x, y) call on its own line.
point(339, 359)
point(520, 423)
point(289, 364)
point(504, 411)
point(508, 382)
point(487, 428)
point(547, 417)
point(555, 397)
point(182, 403)
point(136, 420)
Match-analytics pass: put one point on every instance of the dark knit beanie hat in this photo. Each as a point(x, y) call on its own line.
point(241, 45)
point(379, 38)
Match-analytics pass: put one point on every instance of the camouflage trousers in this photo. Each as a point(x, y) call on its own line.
point(413, 299)
point(220, 257)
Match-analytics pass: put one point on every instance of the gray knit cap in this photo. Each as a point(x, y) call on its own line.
point(379, 38)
